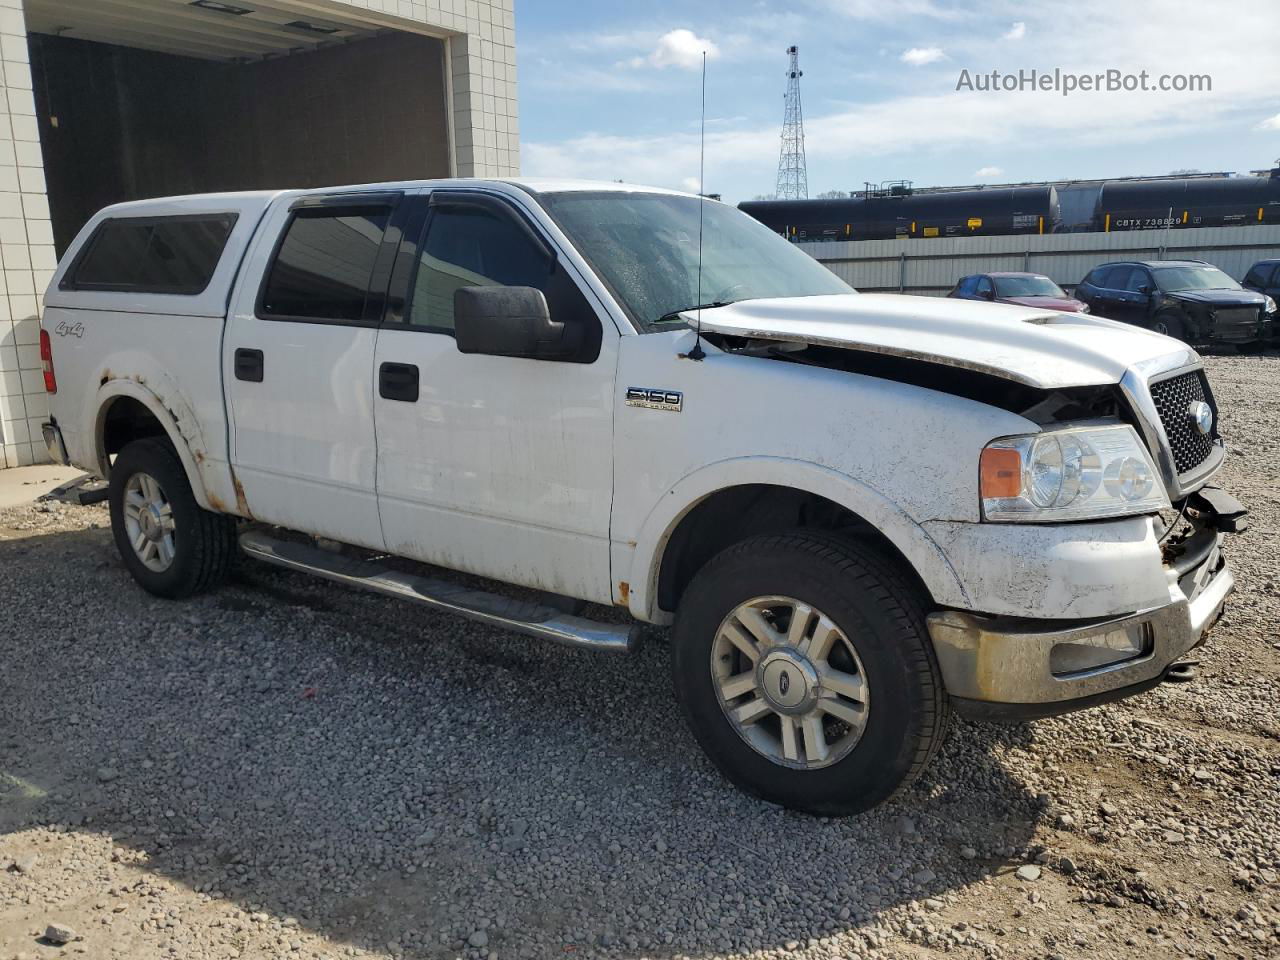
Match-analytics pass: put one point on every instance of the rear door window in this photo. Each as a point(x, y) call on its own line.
point(324, 266)
point(173, 255)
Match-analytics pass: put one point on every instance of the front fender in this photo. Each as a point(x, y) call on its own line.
point(911, 539)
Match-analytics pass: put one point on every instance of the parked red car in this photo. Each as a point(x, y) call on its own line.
point(1026, 289)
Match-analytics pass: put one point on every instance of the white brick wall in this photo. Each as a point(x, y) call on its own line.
point(27, 257)
point(486, 144)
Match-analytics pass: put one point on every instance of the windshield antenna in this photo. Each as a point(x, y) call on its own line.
point(697, 353)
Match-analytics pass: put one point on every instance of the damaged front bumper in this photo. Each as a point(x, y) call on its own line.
point(1021, 668)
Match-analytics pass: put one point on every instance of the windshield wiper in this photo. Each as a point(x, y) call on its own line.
point(675, 314)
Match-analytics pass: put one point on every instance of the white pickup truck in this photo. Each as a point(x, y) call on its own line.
point(858, 511)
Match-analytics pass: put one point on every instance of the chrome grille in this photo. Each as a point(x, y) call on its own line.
point(1189, 446)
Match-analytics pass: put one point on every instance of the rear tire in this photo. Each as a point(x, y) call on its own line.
point(170, 545)
point(879, 672)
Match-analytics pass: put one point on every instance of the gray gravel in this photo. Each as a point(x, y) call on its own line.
point(286, 768)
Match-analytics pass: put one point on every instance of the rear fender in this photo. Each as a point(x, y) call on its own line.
point(211, 482)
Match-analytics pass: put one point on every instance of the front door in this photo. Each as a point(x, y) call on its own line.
point(1132, 296)
point(298, 367)
point(499, 466)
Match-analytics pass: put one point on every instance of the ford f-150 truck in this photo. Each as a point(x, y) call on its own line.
point(859, 512)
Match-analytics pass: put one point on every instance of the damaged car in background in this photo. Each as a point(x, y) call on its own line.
point(858, 512)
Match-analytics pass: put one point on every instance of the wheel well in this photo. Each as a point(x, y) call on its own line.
point(734, 514)
point(127, 420)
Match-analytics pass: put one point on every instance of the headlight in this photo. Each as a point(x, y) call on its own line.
point(1269, 306)
point(1078, 473)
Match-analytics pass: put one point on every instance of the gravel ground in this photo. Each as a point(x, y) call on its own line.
point(286, 768)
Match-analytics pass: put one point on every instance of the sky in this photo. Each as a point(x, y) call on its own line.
point(610, 90)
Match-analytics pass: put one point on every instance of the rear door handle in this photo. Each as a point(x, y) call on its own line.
point(398, 381)
point(248, 365)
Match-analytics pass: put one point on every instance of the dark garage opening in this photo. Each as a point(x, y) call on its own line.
point(119, 123)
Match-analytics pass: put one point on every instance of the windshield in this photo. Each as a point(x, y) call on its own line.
point(1027, 287)
point(1171, 279)
point(644, 246)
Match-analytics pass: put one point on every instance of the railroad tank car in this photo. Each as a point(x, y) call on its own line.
point(967, 213)
point(811, 219)
point(961, 213)
point(1177, 204)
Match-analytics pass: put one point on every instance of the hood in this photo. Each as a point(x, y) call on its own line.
point(1040, 348)
point(1047, 303)
point(1225, 297)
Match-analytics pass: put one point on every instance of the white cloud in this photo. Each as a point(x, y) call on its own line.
point(690, 184)
point(678, 48)
point(925, 113)
point(987, 172)
point(919, 56)
point(1016, 32)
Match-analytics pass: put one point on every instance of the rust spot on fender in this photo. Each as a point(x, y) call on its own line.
point(216, 503)
point(199, 455)
point(624, 593)
point(106, 375)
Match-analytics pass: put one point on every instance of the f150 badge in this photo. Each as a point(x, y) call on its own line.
point(655, 399)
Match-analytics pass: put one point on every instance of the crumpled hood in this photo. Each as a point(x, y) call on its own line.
point(1226, 297)
point(1040, 348)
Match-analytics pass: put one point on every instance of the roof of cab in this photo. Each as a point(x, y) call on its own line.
point(261, 198)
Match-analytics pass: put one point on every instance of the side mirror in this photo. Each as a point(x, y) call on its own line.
point(988, 294)
point(506, 322)
point(1144, 288)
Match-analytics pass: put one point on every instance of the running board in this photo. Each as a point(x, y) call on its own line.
point(531, 619)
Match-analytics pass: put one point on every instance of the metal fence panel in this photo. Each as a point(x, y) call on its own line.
point(932, 266)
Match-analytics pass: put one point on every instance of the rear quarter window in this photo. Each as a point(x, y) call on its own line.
point(167, 255)
point(1100, 275)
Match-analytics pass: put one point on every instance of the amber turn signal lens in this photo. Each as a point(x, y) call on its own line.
point(1000, 472)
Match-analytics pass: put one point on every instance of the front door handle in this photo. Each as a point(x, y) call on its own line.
point(248, 365)
point(398, 381)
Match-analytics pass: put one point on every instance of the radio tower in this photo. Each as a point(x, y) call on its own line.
point(793, 181)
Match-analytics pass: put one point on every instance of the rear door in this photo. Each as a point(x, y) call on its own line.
point(298, 366)
point(501, 466)
point(1096, 291)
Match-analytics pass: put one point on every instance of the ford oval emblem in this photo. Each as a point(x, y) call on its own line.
point(784, 683)
point(1201, 416)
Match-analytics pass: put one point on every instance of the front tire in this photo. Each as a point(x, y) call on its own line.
point(1171, 325)
point(804, 669)
point(170, 545)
